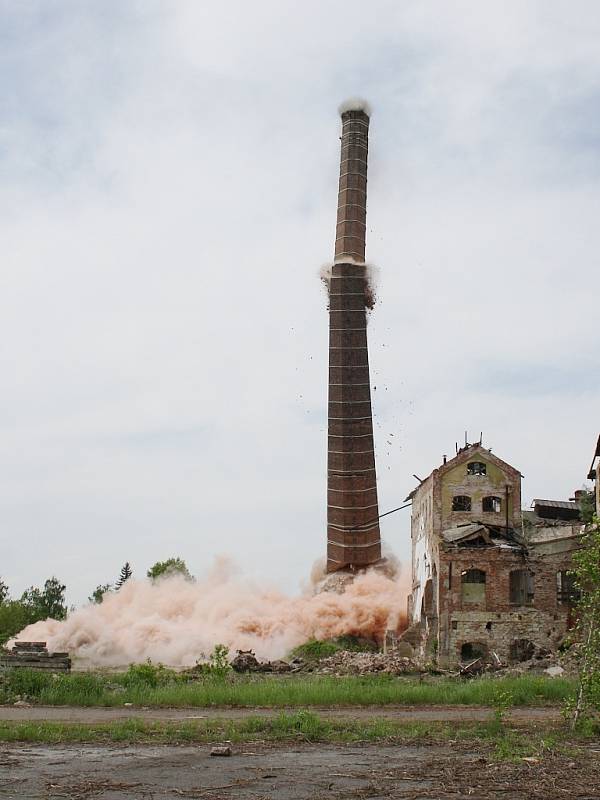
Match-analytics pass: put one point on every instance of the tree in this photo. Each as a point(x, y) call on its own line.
point(3, 592)
point(97, 595)
point(587, 507)
point(47, 603)
point(172, 566)
point(125, 574)
point(586, 568)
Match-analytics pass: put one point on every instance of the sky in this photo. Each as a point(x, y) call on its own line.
point(168, 192)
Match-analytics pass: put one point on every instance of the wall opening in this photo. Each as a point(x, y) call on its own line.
point(469, 651)
point(461, 502)
point(521, 587)
point(473, 586)
point(521, 650)
point(476, 468)
point(566, 590)
point(491, 505)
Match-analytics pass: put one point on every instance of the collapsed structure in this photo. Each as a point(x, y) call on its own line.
point(487, 577)
point(353, 538)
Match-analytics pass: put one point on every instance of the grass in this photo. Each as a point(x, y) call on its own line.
point(302, 726)
point(155, 685)
point(171, 690)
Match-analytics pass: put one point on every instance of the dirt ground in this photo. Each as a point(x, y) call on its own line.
point(398, 713)
point(291, 772)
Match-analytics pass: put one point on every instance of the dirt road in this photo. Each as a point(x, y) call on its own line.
point(399, 713)
point(292, 772)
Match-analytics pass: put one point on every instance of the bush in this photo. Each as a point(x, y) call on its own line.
point(316, 649)
point(27, 682)
point(218, 666)
point(148, 674)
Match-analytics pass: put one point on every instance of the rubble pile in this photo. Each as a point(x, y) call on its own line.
point(34, 655)
point(246, 661)
point(346, 662)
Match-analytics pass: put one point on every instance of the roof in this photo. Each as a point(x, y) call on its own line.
point(491, 534)
point(568, 504)
point(592, 474)
point(465, 454)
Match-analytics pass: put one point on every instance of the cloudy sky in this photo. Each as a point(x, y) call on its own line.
point(168, 180)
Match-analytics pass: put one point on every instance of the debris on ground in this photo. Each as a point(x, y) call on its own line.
point(246, 661)
point(221, 750)
point(34, 655)
point(347, 662)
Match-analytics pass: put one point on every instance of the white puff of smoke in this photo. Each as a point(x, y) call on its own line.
point(325, 275)
point(355, 104)
point(348, 260)
point(177, 622)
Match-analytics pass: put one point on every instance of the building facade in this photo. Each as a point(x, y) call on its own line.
point(486, 581)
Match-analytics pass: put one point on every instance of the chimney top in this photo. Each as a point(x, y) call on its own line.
point(355, 104)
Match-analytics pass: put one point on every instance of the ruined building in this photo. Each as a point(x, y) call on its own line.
point(353, 539)
point(486, 577)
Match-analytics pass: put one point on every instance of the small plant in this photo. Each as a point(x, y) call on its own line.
point(148, 674)
point(502, 700)
point(218, 665)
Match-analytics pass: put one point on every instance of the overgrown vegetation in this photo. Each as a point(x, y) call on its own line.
point(155, 685)
point(586, 568)
point(315, 649)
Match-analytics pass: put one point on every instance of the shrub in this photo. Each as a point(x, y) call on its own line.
point(148, 674)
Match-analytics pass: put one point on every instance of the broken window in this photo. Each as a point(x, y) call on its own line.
point(566, 590)
point(491, 504)
point(476, 468)
point(521, 587)
point(461, 503)
point(473, 586)
point(472, 650)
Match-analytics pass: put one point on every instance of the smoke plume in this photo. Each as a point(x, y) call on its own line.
point(177, 622)
point(370, 281)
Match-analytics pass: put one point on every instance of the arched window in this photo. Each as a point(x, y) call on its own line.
point(476, 468)
point(461, 502)
point(521, 587)
point(473, 586)
point(491, 504)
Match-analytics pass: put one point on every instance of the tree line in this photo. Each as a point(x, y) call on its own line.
point(37, 604)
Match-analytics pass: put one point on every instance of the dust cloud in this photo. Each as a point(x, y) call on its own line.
point(177, 622)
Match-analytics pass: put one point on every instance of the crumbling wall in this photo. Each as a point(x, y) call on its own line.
point(493, 620)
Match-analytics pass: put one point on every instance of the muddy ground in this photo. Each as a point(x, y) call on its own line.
point(398, 713)
point(292, 772)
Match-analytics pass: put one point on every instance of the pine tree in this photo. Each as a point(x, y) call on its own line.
point(126, 573)
point(3, 591)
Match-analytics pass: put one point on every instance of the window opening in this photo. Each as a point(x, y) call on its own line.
point(473, 586)
point(566, 590)
point(491, 504)
point(461, 503)
point(472, 650)
point(521, 587)
point(476, 468)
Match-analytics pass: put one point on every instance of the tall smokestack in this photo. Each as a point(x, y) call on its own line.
point(353, 539)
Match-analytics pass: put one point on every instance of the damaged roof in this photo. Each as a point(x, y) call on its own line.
point(556, 509)
point(492, 535)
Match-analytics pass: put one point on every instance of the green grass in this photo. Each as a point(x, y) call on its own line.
point(171, 690)
point(302, 726)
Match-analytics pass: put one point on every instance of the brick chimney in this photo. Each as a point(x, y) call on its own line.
point(353, 539)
